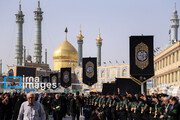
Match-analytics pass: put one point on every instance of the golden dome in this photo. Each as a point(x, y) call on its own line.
point(65, 55)
point(65, 51)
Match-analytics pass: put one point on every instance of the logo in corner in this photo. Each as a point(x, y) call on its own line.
point(13, 77)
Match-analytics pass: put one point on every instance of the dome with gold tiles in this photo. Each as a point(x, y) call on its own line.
point(65, 55)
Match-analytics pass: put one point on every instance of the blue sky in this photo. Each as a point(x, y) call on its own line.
point(117, 20)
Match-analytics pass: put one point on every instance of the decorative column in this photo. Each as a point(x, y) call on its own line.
point(37, 44)
point(19, 38)
point(99, 44)
point(80, 48)
point(174, 27)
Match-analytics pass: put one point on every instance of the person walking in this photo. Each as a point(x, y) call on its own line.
point(31, 109)
point(57, 108)
point(46, 104)
point(75, 108)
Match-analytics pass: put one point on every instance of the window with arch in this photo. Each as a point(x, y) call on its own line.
point(163, 62)
point(176, 76)
point(102, 73)
point(173, 57)
point(124, 72)
point(157, 81)
point(11, 72)
point(98, 73)
point(172, 77)
point(169, 59)
point(165, 79)
point(177, 56)
point(118, 72)
point(78, 74)
point(108, 70)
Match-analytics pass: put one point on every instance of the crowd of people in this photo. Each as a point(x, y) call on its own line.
point(95, 106)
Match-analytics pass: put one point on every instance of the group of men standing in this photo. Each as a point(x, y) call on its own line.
point(94, 106)
point(133, 107)
point(62, 105)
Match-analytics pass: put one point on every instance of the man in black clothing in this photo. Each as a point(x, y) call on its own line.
point(56, 106)
point(136, 111)
point(46, 104)
point(1, 106)
point(64, 104)
point(115, 100)
point(174, 112)
point(107, 109)
point(75, 107)
point(121, 111)
point(165, 108)
point(70, 97)
point(17, 106)
point(7, 107)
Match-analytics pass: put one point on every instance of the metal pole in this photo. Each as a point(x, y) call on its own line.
point(142, 88)
point(45, 56)
point(24, 54)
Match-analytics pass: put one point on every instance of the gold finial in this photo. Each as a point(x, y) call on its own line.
point(80, 36)
point(99, 39)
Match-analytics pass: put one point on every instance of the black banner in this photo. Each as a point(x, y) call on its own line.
point(128, 85)
point(89, 71)
point(45, 79)
point(141, 58)
point(65, 77)
point(26, 71)
point(109, 89)
point(54, 80)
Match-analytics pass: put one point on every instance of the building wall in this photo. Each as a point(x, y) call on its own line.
point(167, 66)
point(105, 74)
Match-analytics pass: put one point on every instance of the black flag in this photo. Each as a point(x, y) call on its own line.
point(109, 88)
point(65, 77)
point(45, 79)
point(54, 80)
point(129, 85)
point(141, 58)
point(89, 71)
